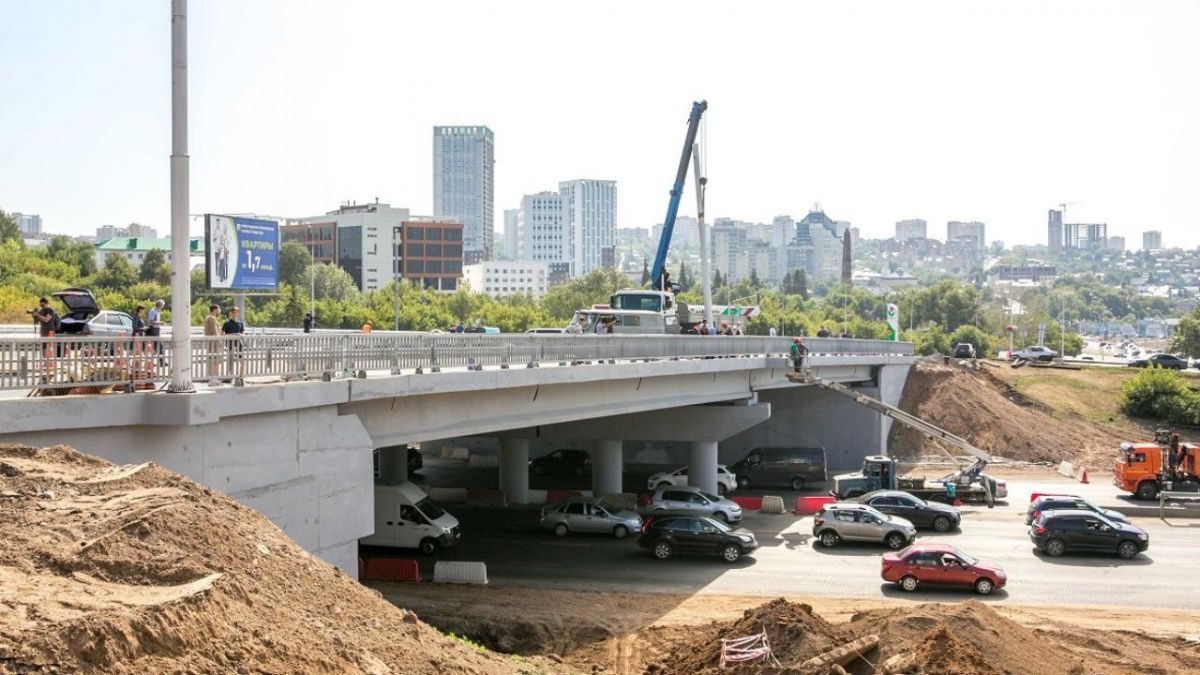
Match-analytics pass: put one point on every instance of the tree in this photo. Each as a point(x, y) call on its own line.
point(754, 279)
point(645, 272)
point(117, 273)
point(1186, 339)
point(9, 231)
point(294, 262)
point(685, 277)
point(334, 283)
point(155, 268)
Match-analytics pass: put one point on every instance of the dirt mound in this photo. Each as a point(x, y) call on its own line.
point(988, 413)
point(139, 570)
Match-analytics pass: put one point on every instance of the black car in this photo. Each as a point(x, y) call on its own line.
point(933, 515)
point(1161, 360)
point(1059, 532)
point(1047, 503)
point(562, 463)
point(964, 350)
point(415, 460)
point(667, 535)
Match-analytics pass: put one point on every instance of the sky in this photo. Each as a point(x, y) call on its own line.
point(878, 111)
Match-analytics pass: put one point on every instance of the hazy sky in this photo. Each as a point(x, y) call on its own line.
point(880, 111)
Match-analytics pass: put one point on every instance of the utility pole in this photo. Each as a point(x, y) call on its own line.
point(705, 274)
point(312, 276)
point(181, 281)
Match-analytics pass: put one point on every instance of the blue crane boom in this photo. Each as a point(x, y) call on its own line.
point(660, 258)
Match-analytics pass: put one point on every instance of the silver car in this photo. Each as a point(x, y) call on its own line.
point(692, 501)
point(589, 514)
point(858, 522)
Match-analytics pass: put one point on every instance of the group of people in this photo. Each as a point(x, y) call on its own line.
point(726, 328)
point(213, 327)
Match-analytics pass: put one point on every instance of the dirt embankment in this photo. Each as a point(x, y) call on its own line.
point(109, 569)
point(982, 408)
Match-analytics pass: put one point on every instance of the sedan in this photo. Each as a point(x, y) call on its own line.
point(1036, 353)
point(589, 515)
point(933, 515)
point(667, 535)
point(940, 564)
point(1160, 360)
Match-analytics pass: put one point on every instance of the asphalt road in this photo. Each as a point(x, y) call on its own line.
point(788, 562)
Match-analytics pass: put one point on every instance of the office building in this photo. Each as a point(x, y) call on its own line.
point(430, 252)
point(319, 239)
point(463, 181)
point(1031, 271)
point(1115, 244)
point(363, 243)
point(910, 229)
point(1152, 240)
point(973, 230)
point(817, 246)
point(590, 217)
point(499, 278)
point(543, 237)
point(1085, 236)
point(512, 234)
point(29, 224)
point(1054, 230)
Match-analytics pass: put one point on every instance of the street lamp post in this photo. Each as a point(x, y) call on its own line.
point(395, 281)
point(181, 280)
point(312, 276)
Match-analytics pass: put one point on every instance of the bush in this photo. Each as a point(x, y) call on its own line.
point(1160, 394)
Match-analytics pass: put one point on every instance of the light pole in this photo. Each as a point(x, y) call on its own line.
point(312, 276)
point(181, 280)
point(395, 281)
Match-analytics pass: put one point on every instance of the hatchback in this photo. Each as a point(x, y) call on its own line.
point(667, 535)
point(589, 514)
point(726, 481)
point(858, 522)
point(942, 565)
point(1059, 532)
point(688, 500)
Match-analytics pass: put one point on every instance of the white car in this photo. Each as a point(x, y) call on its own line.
point(1036, 353)
point(726, 480)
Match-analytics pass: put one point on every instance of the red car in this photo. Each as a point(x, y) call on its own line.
point(940, 564)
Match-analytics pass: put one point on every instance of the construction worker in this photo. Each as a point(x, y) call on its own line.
point(799, 350)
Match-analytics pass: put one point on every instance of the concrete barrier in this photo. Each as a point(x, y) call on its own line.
point(1065, 468)
point(455, 452)
point(810, 505)
point(771, 504)
point(748, 503)
point(488, 461)
point(447, 495)
point(392, 569)
point(459, 572)
point(626, 501)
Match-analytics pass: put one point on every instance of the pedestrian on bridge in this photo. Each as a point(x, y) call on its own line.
point(799, 350)
point(234, 327)
point(212, 331)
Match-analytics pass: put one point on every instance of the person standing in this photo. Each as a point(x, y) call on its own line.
point(139, 323)
point(577, 328)
point(309, 322)
point(154, 327)
point(234, 326)
point(772, 332)
point(799, 350)
point(366, 327)
point(48, 325)
point(212, 333)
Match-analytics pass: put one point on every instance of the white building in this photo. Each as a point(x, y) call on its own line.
point(512, 234)
point(28, 223)
point(464, 176)
point(1152, 240)
point(543, 236)
point(133, 230)
point(590, 215)
point(366, 236)
point(967, 230)
point(914, 228)
point(135, 249)
point(499, 278)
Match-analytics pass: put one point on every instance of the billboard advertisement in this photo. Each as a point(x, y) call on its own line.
point(893, 323)
point(242, 254)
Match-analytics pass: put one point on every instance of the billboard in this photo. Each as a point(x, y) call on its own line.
point(242, 254)
point(893, 323)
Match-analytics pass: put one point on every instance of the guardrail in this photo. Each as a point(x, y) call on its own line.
point(83, 365)
point(1168, 496)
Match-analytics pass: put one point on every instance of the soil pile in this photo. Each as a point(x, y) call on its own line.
point(138, 570)
point(991, 415)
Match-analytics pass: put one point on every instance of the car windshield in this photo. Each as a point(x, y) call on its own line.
point(431, 510)
point(709, 497)
point(721, 527)
point(875, 512)
point(964, 557)
point(605, 506)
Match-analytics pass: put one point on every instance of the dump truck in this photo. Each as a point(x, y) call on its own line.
point(1166, 465)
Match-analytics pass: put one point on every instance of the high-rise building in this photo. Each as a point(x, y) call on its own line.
point(1054, 230)
point(1115, 244)
point(726, 242)
point(28, 223)
point(1152, 240)
point(512, 234)
point(817, 246)
point(783, 228)
point(590, 216)
point(132, 230)
point(911, 229)
point(967, 230)
point(463, 180)
point(543, 236)
point(1085, 236)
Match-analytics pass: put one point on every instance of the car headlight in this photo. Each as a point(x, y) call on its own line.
point(1143, 536)
point(1001, 574)
point(746, 538)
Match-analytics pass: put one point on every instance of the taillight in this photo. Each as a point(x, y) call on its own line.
point(1040, 529)
point(818, 521)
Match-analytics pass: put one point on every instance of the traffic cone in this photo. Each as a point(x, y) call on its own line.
point(1083, 477)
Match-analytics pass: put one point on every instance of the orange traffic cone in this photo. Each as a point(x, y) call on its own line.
point(1083, 477)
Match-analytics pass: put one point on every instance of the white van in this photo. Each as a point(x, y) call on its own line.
point(405, 517)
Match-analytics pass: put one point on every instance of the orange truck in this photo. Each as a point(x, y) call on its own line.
point(1145, 469)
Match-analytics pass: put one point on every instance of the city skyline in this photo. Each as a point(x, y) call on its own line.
point(296, 107)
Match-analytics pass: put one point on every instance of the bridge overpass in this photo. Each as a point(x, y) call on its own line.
point(295, 434)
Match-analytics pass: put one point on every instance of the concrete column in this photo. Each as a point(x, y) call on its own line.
point(607, 465)
point(702, 465)
point(393, 464)
point(514, 470)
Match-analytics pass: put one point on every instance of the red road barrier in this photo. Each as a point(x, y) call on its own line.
point(392, 569)
point(555, 496)
point(809, 505)
point(749, 503)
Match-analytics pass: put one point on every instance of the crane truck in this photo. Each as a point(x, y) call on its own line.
point(879, 471)
point(1166, 465)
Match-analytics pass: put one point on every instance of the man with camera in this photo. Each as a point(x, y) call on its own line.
point(46, 318)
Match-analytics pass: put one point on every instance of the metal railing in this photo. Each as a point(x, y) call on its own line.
point(84, 365)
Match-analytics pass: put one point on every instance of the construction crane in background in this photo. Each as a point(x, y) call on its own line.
point(657, 273)
point(1063, 207)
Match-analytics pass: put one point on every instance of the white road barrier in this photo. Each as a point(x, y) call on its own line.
point(772, 504)
point(459, 572)
point(1067, 469)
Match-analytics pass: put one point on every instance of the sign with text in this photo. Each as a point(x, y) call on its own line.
point(242, 254)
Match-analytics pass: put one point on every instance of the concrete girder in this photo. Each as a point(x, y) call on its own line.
point(687, 423)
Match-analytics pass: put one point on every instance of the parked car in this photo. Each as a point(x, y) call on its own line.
point(940, 564)
point(852, 521)
point(667, 535)
point(726, 480)
point(1161, 360)
point(1049, 503)
point(934, 515)
point(1059, 532)
point(564, 462)
point(792, 467)
point(1036, 353)
point(414, 460)
point(689, 500)
point(964, 350)
point(589, 514)
point(84, 316)
point(544, 330)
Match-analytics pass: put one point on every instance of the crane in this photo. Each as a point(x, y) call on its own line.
point(664, 242)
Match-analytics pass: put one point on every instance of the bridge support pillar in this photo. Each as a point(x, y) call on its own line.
point(393, 464)
point(702, 465)
point(514, 470)
point(607, 465)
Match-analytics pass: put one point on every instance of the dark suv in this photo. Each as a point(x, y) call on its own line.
point(667, 535)
point(1048, 503)
point(562, 463)
point(1059, 532)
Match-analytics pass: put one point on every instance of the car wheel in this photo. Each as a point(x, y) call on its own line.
point(909, 583)
point(722, 490)
point(1127, 550)
point(743, 482)
point(428, 546)
point(620, 531)
point(561, 529)
point(941, 524)
point(720, 515)
point(1147, 490)
point(1054, 548)
point(731, 553)
point(894, 540)
point(662, 550)
point(984, 586)
point(829, 538)
point(797, 483)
